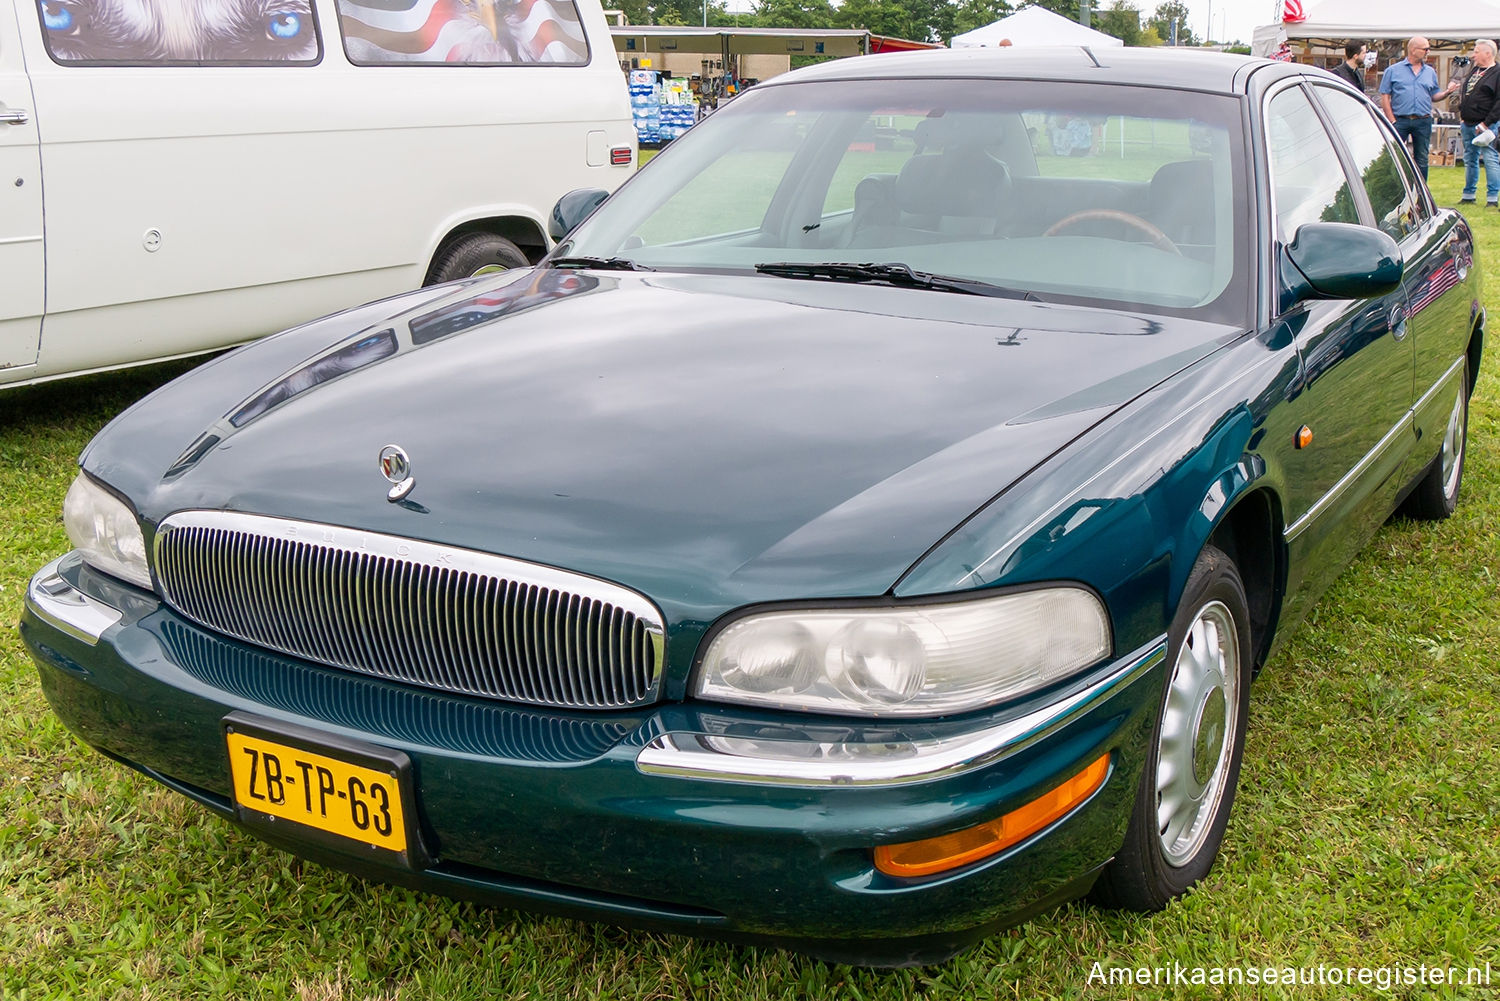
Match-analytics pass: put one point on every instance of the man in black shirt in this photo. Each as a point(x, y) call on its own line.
point(1479, 110)
point(1352, 69)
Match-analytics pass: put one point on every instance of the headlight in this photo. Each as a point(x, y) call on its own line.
point(105, 532)
point(914, 660)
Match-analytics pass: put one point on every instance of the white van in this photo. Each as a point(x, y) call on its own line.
point(181, 175)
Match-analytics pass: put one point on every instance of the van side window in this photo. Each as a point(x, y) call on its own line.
point(156, 32)
point(462, 32)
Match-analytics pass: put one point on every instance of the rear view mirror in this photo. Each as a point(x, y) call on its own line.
point(571, 209)
point(1335, 260)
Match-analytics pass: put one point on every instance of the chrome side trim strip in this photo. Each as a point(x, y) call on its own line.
point(64, 607)
point(1441, 384)
point(1296, 528)
point(720, 758)
point(1406, 423)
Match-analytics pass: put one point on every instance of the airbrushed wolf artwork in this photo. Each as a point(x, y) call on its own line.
point(487, 32)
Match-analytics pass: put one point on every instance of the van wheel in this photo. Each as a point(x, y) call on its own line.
point(1436, 496)
point(474, 254)
point(1187, 785)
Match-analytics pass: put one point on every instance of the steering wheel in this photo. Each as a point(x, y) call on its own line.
point(1159, 240)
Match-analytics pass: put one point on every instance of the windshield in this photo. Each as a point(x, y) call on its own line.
point(1087, 193)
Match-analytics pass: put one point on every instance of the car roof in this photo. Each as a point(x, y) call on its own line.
point(1192, 69)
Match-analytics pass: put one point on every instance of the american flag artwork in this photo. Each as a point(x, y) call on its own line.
point(1292, 12)
point(1436, 284)
point(491, 32)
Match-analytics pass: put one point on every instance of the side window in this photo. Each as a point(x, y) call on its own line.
point(194, 32)
point(462, 32)
point(1397, 210)
point(1307, 178)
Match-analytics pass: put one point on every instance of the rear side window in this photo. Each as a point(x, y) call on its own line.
point(184, 33)
point(1397, 211)
point(462, 32)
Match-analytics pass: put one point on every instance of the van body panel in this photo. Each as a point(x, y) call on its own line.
point(21, 250)
point(298, 188)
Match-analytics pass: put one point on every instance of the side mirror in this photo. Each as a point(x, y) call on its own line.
point(571, 209)
point(1336, 260)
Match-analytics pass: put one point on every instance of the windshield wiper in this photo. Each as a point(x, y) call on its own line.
point(598, 263)
point(899, 275)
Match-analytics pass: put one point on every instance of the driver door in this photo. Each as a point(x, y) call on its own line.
point(1358, 361)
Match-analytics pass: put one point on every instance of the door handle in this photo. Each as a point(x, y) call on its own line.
point(14, 116)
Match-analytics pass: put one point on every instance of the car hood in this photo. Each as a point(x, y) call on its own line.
point(708, 440)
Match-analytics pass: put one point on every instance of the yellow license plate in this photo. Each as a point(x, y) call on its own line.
point(292, 783)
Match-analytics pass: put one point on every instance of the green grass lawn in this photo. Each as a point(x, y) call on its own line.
point(1365, 832)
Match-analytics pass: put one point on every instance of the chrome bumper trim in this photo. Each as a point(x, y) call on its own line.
point(793, 762)
point(64, 607)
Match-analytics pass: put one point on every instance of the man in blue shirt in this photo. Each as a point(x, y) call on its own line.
point(1406, 93)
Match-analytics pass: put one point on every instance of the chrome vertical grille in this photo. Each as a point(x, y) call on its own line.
point(410, 611)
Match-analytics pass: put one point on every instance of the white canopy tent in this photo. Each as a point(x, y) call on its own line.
point(1454, 22)
point(1032, 27)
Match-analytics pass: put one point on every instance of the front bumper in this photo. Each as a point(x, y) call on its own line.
point(753, 826)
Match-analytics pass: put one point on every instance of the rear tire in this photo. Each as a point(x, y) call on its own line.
point(474, 254)
point(1188, 782)
point(1436, 496)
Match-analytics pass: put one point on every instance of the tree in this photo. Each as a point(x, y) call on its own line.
point(636, 11)
point(884, 17)
point(971, 14)
point(679, 11)
point(1067, 8)
point(673, 11)
point(1123, 20)
point(794, 14)
point(1165, 14)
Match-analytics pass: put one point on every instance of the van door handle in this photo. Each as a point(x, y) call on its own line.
point(14, 116)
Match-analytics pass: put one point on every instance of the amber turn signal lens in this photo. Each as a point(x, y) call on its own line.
point(934, 855)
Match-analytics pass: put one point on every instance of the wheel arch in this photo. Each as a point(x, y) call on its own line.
point(525, 232)
point(1475, 350)
point(1251, 534)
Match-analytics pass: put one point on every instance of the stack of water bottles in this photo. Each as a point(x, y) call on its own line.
point(677, 119)
point(645, 105)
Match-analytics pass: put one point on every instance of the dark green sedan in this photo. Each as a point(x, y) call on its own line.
point(859, 534)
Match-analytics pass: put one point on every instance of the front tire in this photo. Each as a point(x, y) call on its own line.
point(1188, 782)
point(1436, 495)
point(474, 254)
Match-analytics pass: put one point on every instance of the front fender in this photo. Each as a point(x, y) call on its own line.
point(1127, 508)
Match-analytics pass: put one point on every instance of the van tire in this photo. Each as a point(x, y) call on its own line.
point(474, 254)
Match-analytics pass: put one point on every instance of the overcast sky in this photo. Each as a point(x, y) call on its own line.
point(1232, 19)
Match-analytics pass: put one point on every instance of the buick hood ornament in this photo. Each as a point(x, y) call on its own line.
point(395, 466)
